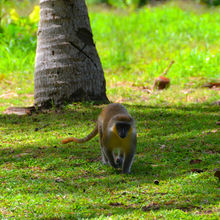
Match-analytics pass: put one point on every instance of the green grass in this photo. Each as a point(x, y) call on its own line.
point(42, 179)
point(134, 47)
point(142, 43)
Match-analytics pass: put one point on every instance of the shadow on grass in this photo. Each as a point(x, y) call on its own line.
point(168, 139)
point(157, 126)
point(167, 134)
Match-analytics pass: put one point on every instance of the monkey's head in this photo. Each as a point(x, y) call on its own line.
point(122, 125)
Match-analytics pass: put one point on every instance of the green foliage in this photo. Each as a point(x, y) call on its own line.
point(211, 2)
point(138, 45)
point(120, 3)
point(139, 3)
point(18, 44)
point(147, 39)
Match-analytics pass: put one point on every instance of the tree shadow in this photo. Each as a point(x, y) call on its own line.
point(168, 138)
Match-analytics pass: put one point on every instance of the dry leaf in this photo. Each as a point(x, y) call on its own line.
point(170, 202)
point(196, 161)
point(162, 146)
point(212, 85)
point(9, 95)
point(196, 170)
point(21, 155)
point(217, 174)
point(156, 182)
point(115, 204)
point(19, 110)
point(152, 206)
point(59, 180)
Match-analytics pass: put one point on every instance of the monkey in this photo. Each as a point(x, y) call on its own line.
point(116, 130)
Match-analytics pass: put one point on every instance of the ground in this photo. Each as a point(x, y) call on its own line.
point(178, 128)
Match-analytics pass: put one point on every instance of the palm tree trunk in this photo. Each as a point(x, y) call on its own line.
point(67, 65)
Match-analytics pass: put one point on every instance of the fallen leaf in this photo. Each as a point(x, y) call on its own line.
point(9, 95)
point(155, 165)
point(163, 146)
point(196, 171)
point(209, 132)
point(59, 180)
point(120, 100)
point(217, 174)
point(152, 206)
point(170, 202)
point(211, 85)
point(115, 204)
point(188, 208)
point(28, 95)
point(187, 91)
point(20, 110)
point(156, 182)
point(21, 155)
point(208, 212)
point(161, 82)
point(196, 161)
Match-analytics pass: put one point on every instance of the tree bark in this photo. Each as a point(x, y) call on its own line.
point(67, 65)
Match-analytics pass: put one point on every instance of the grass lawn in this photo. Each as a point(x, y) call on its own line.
point(178, 134)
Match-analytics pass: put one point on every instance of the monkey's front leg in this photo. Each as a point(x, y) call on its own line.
point(119, 160)
point(110, 156)
point(128, 160)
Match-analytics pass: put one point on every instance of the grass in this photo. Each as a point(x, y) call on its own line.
point(42, 179)
point(134, 47)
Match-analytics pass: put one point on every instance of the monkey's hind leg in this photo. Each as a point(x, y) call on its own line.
point(104, 158)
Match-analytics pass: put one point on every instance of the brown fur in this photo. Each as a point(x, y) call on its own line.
point(109, 137)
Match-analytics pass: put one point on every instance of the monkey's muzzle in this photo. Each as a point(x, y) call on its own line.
point(122, 129)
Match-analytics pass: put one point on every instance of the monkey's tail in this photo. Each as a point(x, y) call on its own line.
point(82, 140)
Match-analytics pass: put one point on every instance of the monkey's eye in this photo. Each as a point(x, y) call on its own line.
point(122, 129)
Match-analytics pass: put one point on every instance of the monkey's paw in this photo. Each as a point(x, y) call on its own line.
point(119, 161)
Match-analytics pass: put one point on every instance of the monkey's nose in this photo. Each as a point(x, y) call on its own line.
point(122, 135)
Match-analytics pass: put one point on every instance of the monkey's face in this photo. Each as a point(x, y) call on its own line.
point(122, 129)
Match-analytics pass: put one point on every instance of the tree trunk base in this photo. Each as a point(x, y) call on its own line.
point(49, 103)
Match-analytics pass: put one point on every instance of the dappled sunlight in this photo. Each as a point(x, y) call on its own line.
point(172, 176)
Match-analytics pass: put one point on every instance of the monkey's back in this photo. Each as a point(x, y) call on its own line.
point(110, 111)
